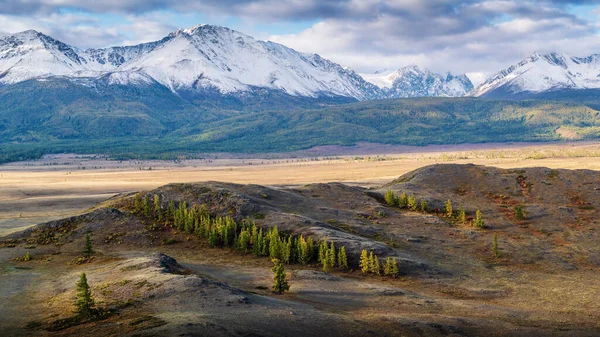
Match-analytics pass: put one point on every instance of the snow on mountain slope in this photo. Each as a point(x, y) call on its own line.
point(412, 81)
point(30, 54)
point(544, 72)
point(197, 59)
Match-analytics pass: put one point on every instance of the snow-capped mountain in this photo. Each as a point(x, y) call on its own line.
point(541, 73)
point(412, 81)
point(195, 60)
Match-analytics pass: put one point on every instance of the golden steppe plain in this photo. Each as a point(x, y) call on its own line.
point(57, 186)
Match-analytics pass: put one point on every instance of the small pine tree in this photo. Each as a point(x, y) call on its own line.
point(412, 203)
point(138, 203)
point(374, 266)
point(323, 251)
point(243, 242)
point(27, 256)
point(88, 251)
point(495, 251)
point(146, 206)
point(478, 220)
point(390, 198)
point(329, 258)
point(519, 215)
point(424, 207)
point(448, 209)
point(462, 215)
point(286, 251)
point(342, 259)
point(280, 283)
point(403, 200)
point(84, 303)
point(394, 268)
point(171, 209)
point(364, 264)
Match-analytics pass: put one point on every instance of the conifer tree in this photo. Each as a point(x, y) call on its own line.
point(331, 255)
point(280, 283)
point(374, 266)
point(274, 244)
point(87, 247)
point(424, 206)
point(264, 248)
point(27, 256)
point(390, 198)
point(342, 259)
point(394, 269)
point(519, 215)
point(157, 208)
point(243, 241)
point(462, 215)
point(329, 260)
point(412, 203)
point(448, 209)
point(478, 220)
point(323, 251)
point(495, 251)
point(146, 206)
point(286, 251)
point(390, 267)
point(138, 203)
point(171, 209)
point(84, 303)
point(403, 200)
point(364, 262)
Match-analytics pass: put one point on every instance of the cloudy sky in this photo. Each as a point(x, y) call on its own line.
point(472, 36)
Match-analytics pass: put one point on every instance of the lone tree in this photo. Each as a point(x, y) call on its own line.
point(84, 303)
point(478, 220)
point(448, 209)
point(280, 283)
point(87, 248)
point(519, 215)
point(495, 251)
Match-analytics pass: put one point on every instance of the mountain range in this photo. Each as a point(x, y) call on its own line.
point(208, 61)
point(542, 73)
point(212, 89)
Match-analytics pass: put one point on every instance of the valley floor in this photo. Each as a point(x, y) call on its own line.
point(61, 185)
point(543, 283)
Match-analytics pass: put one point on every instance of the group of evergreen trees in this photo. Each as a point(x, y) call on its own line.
point(405, 201)
point(245, 236)
point(369, 263)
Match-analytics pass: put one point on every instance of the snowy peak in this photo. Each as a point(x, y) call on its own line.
point(191, 61)
point(412, 81)
point(544, 72)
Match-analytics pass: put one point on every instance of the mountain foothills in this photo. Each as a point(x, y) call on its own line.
point(212, 89)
